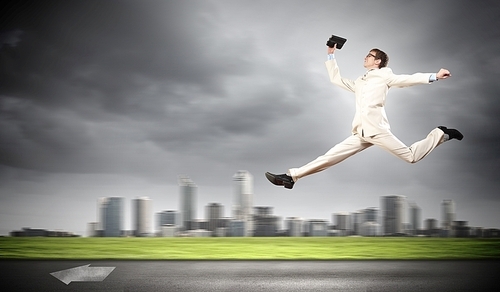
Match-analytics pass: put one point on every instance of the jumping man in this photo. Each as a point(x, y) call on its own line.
point(370, 125)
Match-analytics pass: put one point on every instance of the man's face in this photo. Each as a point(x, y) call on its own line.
point(370, 62)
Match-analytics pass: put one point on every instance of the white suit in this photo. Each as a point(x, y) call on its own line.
point(370, 125)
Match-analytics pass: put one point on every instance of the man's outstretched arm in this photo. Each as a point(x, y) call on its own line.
point(334, 74)
point(443, 74)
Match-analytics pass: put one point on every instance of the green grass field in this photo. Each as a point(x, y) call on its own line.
point(252, 248)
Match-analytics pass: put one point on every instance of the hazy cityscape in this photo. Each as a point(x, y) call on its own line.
point(395, 216)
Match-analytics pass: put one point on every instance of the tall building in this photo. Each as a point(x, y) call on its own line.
point(188, 192)
point(142, 216)
point(415, 218)
point(243, 199)
point(214, 213)
point(392, 214)
point(111, 210)
point(447, 214)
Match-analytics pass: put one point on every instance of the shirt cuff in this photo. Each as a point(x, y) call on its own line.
point(331, 56)
point(433, 77)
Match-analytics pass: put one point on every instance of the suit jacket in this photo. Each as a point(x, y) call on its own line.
point(371, 91)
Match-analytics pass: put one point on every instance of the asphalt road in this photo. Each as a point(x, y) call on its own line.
point(243, 276)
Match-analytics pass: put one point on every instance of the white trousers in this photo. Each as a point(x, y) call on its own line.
point(356, 143)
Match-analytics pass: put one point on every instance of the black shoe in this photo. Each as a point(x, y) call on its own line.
point(452, 133)
point(280, 180)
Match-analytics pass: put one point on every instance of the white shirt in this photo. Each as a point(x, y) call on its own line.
point(371, 91)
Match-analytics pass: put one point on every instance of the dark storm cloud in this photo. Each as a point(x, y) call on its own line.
point(106, 51)
point(147, 68)
point(472, 46)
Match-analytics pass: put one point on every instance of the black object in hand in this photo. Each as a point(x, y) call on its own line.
point(340, 41)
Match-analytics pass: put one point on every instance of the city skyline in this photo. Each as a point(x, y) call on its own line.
point(117, 98)
point(392, 214)
point(109, 208)
point(389, 218)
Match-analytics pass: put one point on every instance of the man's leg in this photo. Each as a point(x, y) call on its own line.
point(415, 152)
point(336, 154)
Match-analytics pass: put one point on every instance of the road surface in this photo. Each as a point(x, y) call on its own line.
point(243, 276)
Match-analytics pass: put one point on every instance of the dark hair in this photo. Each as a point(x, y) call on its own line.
point(382, 56)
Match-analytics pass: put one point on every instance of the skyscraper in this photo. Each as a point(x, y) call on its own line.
point(143, 216)
point(111, 216)
point(447, 214)
point(243, 199)
point(415, 217)
point(392, 214)
point(188, 202)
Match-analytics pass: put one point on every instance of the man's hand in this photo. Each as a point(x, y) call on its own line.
point(331, 50)
point(443, 74)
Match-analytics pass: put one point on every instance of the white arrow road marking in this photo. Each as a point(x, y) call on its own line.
point(83, 274)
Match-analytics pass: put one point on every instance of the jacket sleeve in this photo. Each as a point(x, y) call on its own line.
point(403, 80)
point(335, 78)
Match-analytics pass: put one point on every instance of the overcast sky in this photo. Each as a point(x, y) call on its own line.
point(119, 98)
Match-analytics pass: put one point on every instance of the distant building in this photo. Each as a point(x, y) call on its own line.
point(392, 214)
point(431, 228)
point(167, 217)
point(188, 198)
point(169, 230)
point(243, 199)
point(371, 214)
point(197, 224)
point(460, 229)
point(295, 226)
point(477, 232)
point(317, 227)
point(92, 229)
point(214, 213)
point(357, 218)
point(38, 232)
point(142, 210)
point(370, 228)
point(342, 223)
point(415, 218)
point(111, 211)
point(237, 228)
point(199, 233)
point(221, 232)
point(491, 233)
point(447, 214)
point(265, 223)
